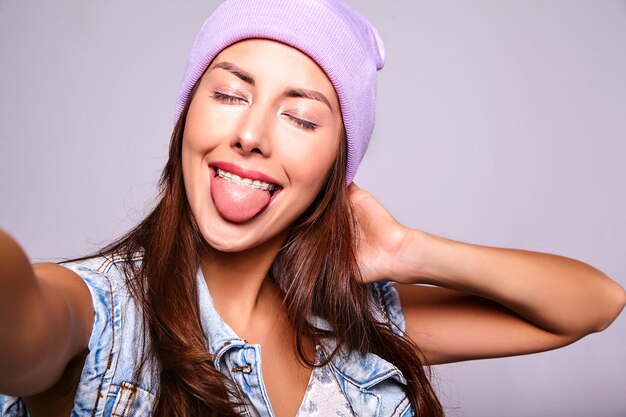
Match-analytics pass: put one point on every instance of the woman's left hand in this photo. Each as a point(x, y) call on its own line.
point(387, 250)
point(481, 302)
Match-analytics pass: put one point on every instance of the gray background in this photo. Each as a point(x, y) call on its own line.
point(500, 122)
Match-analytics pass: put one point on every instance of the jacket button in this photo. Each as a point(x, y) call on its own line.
point(246, 369)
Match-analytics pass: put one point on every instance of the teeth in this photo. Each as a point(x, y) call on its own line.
point(245, 181)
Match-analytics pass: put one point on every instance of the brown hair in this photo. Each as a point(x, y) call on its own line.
point(318, 276)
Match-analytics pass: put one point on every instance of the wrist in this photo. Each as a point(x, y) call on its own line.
point(411, 260)
point(427, 262)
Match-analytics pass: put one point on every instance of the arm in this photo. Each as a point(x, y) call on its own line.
point(46, 316)
point(501, 302)
point(483, 302)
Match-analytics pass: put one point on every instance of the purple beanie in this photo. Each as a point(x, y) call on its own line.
point(343, 43)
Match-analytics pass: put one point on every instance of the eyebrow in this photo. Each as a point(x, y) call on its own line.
point(236, 71)
point(310, 94)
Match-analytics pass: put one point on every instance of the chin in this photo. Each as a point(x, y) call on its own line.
point(224, 236)
point(224, 241)
point(229, 247)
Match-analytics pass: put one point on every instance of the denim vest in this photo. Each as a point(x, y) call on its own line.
point(369, 385)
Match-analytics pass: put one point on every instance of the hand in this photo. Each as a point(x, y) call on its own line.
point(386, 249)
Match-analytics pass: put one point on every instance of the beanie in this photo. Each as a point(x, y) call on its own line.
point(343, 43)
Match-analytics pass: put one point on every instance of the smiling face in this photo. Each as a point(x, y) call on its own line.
point(261, 134)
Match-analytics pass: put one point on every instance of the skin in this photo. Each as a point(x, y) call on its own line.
point(487, 302)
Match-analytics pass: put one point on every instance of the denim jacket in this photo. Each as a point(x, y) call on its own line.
point(367, 385)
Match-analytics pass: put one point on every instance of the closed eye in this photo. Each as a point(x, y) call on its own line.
point(305, 124)
point(227, 99)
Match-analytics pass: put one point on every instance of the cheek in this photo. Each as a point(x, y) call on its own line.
point(209, 123)
point(310, 163)
point(199, 138)
point(191, 176)
point(203, 127)
point(206, 128)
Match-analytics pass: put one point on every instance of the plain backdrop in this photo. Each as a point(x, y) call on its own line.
point(499, 122)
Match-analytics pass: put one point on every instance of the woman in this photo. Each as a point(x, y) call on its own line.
point(243, 291)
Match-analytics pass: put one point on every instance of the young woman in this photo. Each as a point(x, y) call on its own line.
point(265, 282)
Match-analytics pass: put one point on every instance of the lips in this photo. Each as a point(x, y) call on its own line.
point(243, 173)
point(247, 182)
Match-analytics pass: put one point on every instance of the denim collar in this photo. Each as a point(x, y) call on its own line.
point(218, 336)
point(363, 370)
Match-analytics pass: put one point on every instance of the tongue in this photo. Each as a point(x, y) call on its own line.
point(235, 202)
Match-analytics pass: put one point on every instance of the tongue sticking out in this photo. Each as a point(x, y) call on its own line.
point(237, 202)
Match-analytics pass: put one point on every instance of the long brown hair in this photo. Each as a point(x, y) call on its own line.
point(318, 276)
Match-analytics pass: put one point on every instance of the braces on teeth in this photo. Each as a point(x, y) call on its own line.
point(245, 181)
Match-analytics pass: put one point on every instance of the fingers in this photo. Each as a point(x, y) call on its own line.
point(353, 188)
point(355, 193)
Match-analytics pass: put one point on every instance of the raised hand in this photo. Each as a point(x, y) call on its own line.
point(387, 250)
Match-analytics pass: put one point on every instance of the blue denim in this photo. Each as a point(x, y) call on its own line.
point(366, 384)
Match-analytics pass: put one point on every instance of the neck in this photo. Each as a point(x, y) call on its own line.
point(240, 286)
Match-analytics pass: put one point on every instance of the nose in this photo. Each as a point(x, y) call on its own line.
point(252, 136)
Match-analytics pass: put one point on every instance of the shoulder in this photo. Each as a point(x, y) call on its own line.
point(117, 345)
point(114, 308)
point(104, 273)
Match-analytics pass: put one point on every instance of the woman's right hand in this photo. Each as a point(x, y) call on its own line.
point(46, 315)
